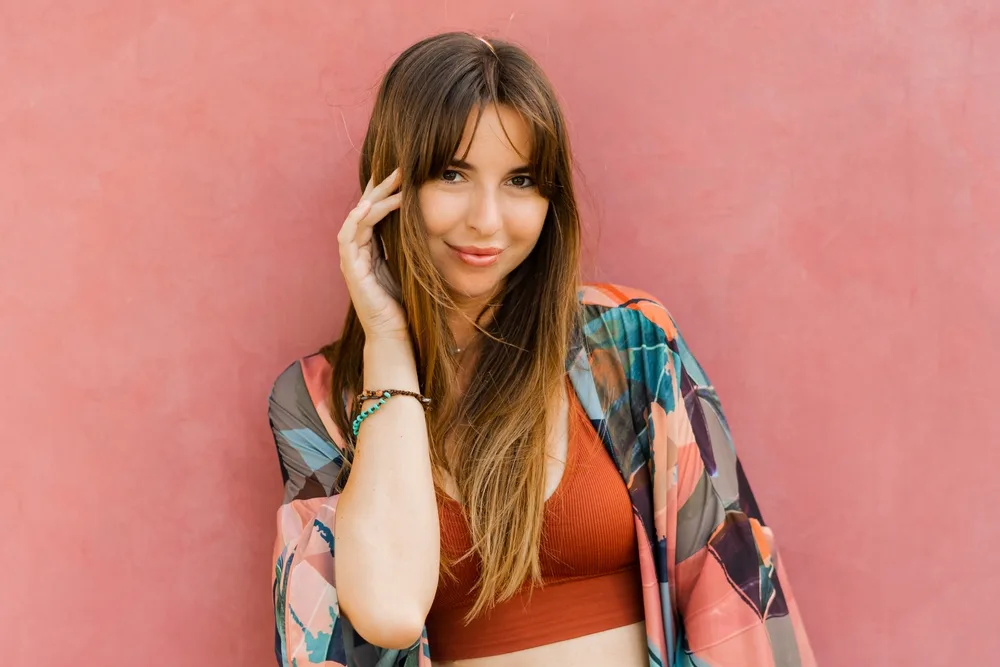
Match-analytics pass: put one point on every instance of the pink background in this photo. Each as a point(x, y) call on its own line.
point(813, 187)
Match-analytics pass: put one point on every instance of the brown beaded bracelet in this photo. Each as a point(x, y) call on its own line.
point(383, 395)
point(386, 393)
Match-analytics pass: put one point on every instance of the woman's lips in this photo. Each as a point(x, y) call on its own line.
point(475, 256)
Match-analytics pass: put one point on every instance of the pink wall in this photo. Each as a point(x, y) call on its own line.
point(816, 188)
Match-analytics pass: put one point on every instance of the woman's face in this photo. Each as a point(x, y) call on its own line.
point(485, 214)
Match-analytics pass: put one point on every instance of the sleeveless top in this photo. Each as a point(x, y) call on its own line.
point(589, 563)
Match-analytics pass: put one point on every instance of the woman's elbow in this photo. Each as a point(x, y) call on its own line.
point(397, 629)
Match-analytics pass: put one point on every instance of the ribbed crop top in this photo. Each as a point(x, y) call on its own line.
point(588, 557)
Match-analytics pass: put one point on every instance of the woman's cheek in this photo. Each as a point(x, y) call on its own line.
point(443, 211)
point(528, 219)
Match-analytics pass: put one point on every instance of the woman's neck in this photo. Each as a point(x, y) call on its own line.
point(470, 316)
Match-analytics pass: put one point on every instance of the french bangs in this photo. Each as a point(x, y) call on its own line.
point(441, 130)
point(544, 161)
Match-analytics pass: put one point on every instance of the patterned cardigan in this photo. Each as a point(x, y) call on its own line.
point(713, 589)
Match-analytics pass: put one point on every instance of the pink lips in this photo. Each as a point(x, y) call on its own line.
point(476, 256)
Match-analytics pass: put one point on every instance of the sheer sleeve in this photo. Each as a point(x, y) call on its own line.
point(309, 629)
point(307, 619)
point(734, 601)
point(308, 455)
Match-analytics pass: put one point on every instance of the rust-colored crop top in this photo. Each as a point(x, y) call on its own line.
point(589, 564)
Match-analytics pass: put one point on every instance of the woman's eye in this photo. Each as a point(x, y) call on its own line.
point(450, 175)
point(522, 181)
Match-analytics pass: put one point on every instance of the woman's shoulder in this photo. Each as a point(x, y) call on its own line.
point(611, 296)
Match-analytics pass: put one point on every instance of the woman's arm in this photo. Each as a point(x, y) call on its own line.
point(383, 528)
point(310, 626)
point(388, 545)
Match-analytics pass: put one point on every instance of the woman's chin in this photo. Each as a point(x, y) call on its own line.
point(472, 290)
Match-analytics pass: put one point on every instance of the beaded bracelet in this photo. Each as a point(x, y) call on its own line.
point(383, 396)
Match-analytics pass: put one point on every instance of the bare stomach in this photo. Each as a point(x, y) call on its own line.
point(622, 647)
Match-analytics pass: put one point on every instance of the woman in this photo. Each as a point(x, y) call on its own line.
point(510, 469)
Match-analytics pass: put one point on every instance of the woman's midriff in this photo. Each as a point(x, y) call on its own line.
point(622, 647)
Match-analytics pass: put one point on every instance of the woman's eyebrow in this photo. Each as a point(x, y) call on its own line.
point(459, 163)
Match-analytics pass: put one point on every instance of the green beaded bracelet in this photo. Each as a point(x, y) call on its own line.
point(365, 414)
point(384, 395)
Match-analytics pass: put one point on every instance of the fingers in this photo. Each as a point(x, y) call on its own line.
point(362, 219)
point(367, 194)
point(375, 215)
point(375, 204)
point(385, 188)
point(379, 202)
point(349, 230)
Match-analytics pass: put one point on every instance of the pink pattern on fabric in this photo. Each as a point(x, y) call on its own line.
point(651, 603)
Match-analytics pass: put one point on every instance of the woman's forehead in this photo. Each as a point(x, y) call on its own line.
point(498, 133)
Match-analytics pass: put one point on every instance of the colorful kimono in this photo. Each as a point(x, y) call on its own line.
point(713, 588)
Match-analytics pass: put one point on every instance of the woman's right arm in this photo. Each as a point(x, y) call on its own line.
point(311, 628)
point(387, 537)
point(383, 527)
point(388, 545)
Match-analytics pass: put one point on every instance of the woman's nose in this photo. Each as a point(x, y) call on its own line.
point(486, 215)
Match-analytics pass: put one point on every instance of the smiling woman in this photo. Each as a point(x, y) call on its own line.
point(572, 496)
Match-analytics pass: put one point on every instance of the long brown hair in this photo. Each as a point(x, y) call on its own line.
point(499, 423)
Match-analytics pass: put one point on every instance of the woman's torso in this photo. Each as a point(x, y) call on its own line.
point(624, 645)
